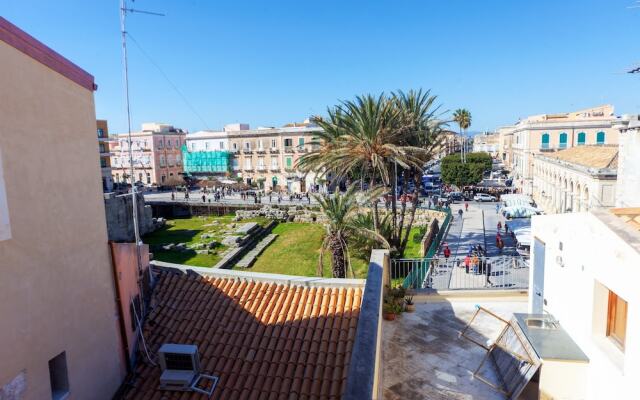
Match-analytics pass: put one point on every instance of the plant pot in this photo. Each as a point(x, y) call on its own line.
point(410, 307)
point(389, 316)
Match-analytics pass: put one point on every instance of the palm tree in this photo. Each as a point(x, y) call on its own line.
point(341, 210)
point(362, 135)
point(462, 117)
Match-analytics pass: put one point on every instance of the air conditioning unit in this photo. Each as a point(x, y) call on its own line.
point(180, 366)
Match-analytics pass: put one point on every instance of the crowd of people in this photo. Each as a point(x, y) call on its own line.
point(216, 194)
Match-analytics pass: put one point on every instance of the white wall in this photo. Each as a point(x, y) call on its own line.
point(628, 189)
point(207, 144)
point(594, 257)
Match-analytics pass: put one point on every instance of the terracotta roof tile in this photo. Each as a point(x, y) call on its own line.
point(263, 340)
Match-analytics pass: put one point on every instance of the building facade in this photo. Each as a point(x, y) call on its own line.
point(59, 332)
point(488, 142)
point(548, 132)
point(585, 273)
point(104, 143)
point(575, 179)
point(265, 157)
point(157, 155)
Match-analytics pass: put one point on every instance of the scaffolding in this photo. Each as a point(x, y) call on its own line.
point(206, 161)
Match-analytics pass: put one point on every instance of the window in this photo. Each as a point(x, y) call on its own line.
point(247, 145)
point(168, 142)
point(273, 143)
point(260, 144)
point(170, 173)
point(140, 177)
point(545, 141)
point(261, 162)
point(582, 138)
point(178, 159)
point(160, 144)
point(563, 140)
point(102, 148)
point(617, 319)
point(162, 161)
point(288, 142)
point(100, 132)
point(117, 177)
point(247, 163)
point(235, 146)
point(600, 136)
point(221, 145)
point(289, 162)
point(58, 375)
point(301, 141)
point(274, 162)
point(148, 178)
point(234, 163)
point(103, 162)
point(177, 143)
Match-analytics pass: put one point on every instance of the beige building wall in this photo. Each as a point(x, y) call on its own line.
point(56, 286)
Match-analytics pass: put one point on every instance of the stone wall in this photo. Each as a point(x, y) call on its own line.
point(119, 213)
point(284, 213)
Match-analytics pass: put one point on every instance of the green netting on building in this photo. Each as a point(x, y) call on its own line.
point(206, 161)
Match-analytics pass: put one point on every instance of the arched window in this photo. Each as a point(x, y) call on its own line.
point(582, 139)
point(600, 136)
point(545, 141)
point(563, 140)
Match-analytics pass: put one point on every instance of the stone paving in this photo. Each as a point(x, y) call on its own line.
point(424, 358)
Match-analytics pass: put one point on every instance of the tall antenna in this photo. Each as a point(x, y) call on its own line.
point(134, 200)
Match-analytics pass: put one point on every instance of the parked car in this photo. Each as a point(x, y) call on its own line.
point(480, 197)
point(455, 196)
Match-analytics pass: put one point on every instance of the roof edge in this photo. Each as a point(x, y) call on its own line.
point(290, 280)
point(32, 47)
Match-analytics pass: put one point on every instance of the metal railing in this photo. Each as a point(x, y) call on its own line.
point(500, 272)
point(418, 272)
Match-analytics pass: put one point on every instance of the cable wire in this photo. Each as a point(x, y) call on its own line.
point(169, 81)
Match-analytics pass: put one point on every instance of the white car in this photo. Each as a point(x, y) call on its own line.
point(483, 197)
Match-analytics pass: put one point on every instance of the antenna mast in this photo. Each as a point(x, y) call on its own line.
point(134, 200)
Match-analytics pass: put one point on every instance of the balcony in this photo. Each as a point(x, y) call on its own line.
point(261, 168)
point(247, 151)
point(274, 150)
point(248, 169)
point(301, 149)
point(260, 150)
point(274, 168)
point(289, 150)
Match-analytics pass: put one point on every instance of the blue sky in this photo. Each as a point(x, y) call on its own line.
point(269, 63)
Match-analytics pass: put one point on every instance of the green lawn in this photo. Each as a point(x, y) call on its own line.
point(188, 231)
point(413, 244)
point(296, 252)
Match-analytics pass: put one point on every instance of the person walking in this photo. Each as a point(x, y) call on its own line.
point(460, 213)
point(446, 252)
point(497, 208)
point(499, 226)
point(466, 206)
point(500, 245)
point(467, 263)
point(474, 263)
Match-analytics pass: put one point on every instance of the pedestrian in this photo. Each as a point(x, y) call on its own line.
point(447, 251)
point(498, 238)
point(474, 263)
point(460, 213)
point(204, 198)
point(497, 208)
point(487, 271)
point(506, 228)
point(499, 226)
point(173, 196)
point(467, 263)
point(500, 245)
point(466, 206)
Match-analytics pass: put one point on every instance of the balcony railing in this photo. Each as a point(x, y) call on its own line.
point(260, 150)
point(274, 150)
point(289, 150)
point(274, 168)
point(501, 272)
point(248, 169)
point(261, 168)
point(247, 151)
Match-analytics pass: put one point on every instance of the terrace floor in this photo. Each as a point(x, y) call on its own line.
point(424, 357)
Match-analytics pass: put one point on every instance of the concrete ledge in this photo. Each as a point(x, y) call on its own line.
point(365, 364)
point(425, 296)
point(291, 280)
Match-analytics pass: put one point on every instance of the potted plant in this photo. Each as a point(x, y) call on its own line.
point(409, 305)
point(388, 311)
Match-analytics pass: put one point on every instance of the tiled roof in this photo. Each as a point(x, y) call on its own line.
point(264, 340)
point(588, 156)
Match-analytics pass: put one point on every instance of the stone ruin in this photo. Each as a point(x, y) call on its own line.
point(283, 213)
